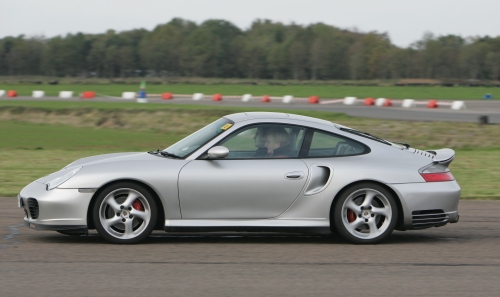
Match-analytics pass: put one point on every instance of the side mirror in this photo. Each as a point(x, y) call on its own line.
point(218, 152)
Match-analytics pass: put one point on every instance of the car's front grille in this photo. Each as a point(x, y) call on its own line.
point(429, 218)
point(33, 207)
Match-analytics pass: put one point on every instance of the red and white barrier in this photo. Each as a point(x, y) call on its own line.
point(408, 103)
point(197, 96)
point(287, 99)
point(432, 104)
point(458, 105)
point(88, 95)
point(38, 94)
point(167, 96)
point(66, 94)
point(380, 102)
point(128, 95)
point(246, 98)
point(313, 100)
point(369, 101)
point(217, 97)
point(350, 100)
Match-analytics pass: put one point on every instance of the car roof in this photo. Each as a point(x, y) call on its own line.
point(245, 116)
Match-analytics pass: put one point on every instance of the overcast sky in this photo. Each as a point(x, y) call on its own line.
point(404, 20)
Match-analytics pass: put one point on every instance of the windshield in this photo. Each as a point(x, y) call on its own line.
point(192, 142)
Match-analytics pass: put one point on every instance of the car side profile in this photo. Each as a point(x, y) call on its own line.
point(254, 171)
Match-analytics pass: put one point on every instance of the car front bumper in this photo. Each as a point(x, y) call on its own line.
point(429, 204)
point(57, 209)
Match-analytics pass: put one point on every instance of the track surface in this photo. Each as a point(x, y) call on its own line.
point(475, 109)
point(456, 260)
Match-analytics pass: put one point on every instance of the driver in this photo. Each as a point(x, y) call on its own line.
point(278, 143)
point(260, 141)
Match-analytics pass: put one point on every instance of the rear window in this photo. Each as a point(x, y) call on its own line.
point(330, 145)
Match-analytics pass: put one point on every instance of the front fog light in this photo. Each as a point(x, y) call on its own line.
point(56, 182)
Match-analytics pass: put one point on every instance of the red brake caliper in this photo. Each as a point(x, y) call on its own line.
point(138, 205)
point(351, 217)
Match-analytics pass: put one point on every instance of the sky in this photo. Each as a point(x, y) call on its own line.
point(405, 21)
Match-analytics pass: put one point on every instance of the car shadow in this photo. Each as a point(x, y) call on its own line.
point(398, 238)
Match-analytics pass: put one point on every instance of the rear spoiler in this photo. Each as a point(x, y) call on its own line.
point(443, 156)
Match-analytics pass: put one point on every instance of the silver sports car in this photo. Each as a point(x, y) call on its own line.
point(255, 171)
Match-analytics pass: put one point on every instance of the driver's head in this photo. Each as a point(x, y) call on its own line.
point(277, 138)
point(260, 137)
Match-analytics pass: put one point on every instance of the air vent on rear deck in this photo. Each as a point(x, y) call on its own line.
point(33, 207)
point(429, 218)
point(426, 154)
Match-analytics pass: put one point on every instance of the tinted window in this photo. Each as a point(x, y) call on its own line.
point(330, 145)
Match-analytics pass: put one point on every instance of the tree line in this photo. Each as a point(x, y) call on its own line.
point(267, 50)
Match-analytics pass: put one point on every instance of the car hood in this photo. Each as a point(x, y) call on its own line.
point(104, 158)
point(91, 160)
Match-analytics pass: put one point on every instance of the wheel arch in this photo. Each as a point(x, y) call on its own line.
point(400, 221)
point(161, 210)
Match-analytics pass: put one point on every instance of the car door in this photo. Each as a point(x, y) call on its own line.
point(245, 185)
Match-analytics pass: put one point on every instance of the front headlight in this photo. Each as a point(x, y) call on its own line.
point(61, 179)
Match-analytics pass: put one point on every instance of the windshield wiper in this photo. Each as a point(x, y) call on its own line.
point(167, 154)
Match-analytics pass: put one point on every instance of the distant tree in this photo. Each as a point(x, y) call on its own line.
point(209, 48)
point(163, 48)
point(268, 50)
point(493, 62)
point(472, 58)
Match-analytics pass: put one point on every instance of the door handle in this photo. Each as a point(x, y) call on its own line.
point(294, 175)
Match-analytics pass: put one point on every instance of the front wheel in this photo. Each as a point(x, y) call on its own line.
point(125, 213)
point(365, 213)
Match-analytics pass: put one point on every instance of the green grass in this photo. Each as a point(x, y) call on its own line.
point(478, 173)
point(322, 90)
point(24, 136)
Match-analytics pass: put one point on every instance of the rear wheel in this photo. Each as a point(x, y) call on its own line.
point(365, 213)
point(125, 213)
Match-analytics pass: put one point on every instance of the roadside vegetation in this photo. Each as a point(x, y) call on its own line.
point(38, 138)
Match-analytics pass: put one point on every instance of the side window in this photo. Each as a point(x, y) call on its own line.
point(330, 145)
point(265, 141)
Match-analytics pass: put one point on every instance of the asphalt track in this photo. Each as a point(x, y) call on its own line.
point(455, 260)
point(475, 109)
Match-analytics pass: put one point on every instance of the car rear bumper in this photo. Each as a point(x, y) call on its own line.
point(57, 209)
point(428, 204)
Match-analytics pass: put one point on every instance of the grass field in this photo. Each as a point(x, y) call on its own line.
point(37, 138)
point(323, 91)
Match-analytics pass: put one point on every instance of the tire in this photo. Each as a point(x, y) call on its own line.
point(365, 214)
point(124, 213)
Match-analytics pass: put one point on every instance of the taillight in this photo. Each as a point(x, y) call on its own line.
point(437, 177)
point(436, 173)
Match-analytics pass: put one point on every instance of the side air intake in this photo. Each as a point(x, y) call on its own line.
point(33, 207)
